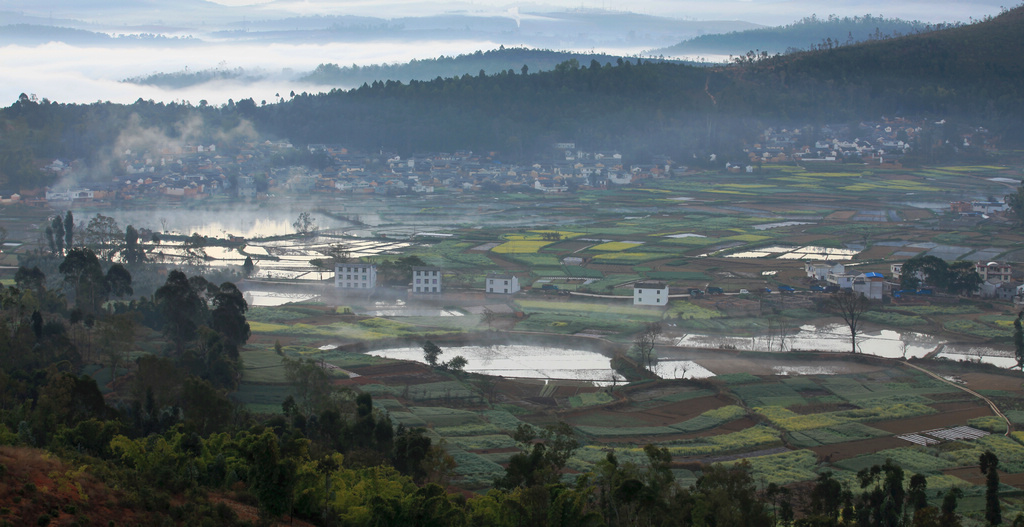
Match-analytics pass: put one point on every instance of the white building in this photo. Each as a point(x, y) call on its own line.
point(70, 195)
point(426, 279)
point(821, 270)
point(842, 280)
point(355, 275)
point(994, 271)
point(650, 294)
point(871, 285)
point(502, 283)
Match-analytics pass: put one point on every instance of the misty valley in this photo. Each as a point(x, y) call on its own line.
point(515, 287)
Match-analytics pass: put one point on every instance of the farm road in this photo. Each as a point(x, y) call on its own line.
point(1009, 426)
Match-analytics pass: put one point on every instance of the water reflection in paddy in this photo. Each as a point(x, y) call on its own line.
point(521, 361)
point(836, 338)
point(681, 369)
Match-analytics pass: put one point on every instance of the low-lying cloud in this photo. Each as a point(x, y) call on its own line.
point(71, 74)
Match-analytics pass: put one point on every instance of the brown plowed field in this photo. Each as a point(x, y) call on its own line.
point(626, 415)
point(838, 451)
point(950, 414)
point(974, 475)
point(991, 381)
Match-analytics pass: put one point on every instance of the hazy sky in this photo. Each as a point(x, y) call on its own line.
point(769, 12)
point(66, 73)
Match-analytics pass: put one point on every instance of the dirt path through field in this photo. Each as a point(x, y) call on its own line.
point(992, 405)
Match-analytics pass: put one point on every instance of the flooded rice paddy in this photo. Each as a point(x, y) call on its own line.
point(522, 361)
point(808, 252)
point(547, 362)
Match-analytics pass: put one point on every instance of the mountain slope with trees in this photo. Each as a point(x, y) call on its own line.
point(969, 74)
point(520, 60)
point(807, 33)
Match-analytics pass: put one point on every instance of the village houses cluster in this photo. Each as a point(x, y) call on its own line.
point(262, 169)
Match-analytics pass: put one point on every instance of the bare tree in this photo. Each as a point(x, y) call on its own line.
point(644, 343)
point(779, 329)
point(488, 317)
point(851, 307)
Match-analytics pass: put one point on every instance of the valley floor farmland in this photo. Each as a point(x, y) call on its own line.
point(578, 255)
point(792, 415)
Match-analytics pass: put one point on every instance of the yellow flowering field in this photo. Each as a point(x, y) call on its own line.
point(520, 246)
point(615, 246)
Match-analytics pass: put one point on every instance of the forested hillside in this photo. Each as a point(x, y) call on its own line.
point(520, 60)
point(969, 74)
point(961, 72)
point(809, 33)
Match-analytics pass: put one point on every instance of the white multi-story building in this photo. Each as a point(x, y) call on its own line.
point(355, 275)
point(502, 283)
point(994, 271)
point(650, 294)
point(426, 279)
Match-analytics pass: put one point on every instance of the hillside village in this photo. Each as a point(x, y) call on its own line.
point(260, 170)
point(274, 170)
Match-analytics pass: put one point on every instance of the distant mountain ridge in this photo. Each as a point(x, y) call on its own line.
point(804, 34)
point(969, 75)
point(489, 62)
